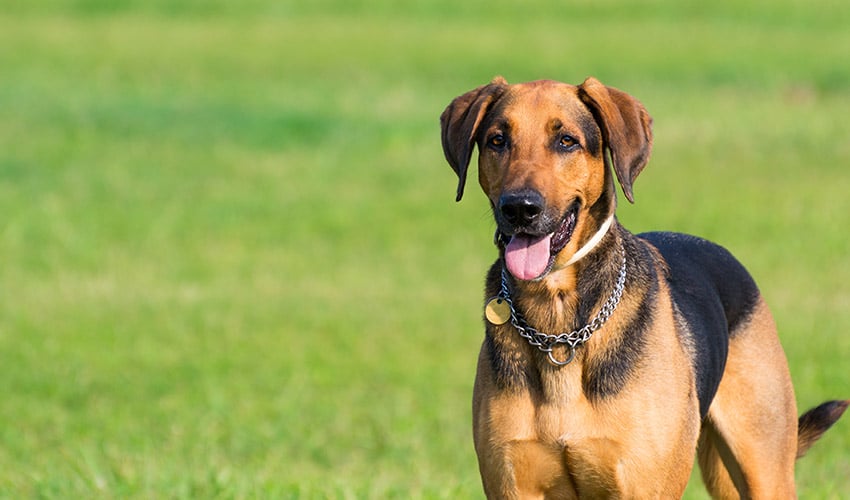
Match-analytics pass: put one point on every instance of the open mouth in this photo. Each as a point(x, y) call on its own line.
point(529, 256)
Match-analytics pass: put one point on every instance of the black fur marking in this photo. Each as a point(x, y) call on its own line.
point(599, 271)
point(591, 132)
point(509, 366)
point(596, 280)
point(714, 294)
point(606, 378)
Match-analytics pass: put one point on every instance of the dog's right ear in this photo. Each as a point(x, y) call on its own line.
point(460, 123)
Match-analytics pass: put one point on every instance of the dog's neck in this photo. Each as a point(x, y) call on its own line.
point(545, 342)
point(566, 296)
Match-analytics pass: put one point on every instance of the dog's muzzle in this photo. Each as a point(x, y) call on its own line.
point(532, 237)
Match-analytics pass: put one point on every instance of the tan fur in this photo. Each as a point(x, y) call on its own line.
point(558, 442)
point(544, 437)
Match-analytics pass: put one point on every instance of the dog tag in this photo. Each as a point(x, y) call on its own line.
point(497, 311)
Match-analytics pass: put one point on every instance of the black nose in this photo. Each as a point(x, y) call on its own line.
point(521, 208)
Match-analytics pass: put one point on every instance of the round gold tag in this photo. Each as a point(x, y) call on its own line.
point(497, 311)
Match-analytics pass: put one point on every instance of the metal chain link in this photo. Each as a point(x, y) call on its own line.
point(544, 341)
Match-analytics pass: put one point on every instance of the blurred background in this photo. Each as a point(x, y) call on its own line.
point(231, 261)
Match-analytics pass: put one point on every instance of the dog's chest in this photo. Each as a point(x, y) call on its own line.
point(565, 441)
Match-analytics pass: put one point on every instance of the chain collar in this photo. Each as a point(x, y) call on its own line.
point(544, 341)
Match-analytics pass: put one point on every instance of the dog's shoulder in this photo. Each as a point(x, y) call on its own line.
point(713, 295)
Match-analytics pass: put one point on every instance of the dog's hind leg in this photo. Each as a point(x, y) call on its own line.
point(748, 442)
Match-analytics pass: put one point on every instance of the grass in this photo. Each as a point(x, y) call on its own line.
point(231, 261)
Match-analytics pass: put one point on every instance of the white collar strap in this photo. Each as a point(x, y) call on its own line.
point(592, 242)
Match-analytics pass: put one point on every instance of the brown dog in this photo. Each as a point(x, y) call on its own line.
point(610, 358)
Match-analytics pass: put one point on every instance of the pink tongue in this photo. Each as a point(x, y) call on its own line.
point(527, 256)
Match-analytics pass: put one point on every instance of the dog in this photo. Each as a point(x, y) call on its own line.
point(610, 359)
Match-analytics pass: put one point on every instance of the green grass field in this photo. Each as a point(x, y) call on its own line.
point(231, 262)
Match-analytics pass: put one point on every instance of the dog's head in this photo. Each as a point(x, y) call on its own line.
point(542, 161)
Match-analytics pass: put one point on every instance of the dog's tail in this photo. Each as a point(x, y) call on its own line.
point(815, 422)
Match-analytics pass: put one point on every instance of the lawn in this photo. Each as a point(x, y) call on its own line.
point(233, 267)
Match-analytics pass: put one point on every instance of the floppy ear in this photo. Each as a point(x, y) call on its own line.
point(460, 123)
point(626, 128)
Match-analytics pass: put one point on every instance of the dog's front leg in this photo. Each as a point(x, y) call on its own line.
point(514, 460)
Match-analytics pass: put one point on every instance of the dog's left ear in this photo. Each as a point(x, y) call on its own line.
point(460, 123)
point(626, 127)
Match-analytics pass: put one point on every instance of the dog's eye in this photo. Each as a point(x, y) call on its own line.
point(497, 141)
point(567, 143)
